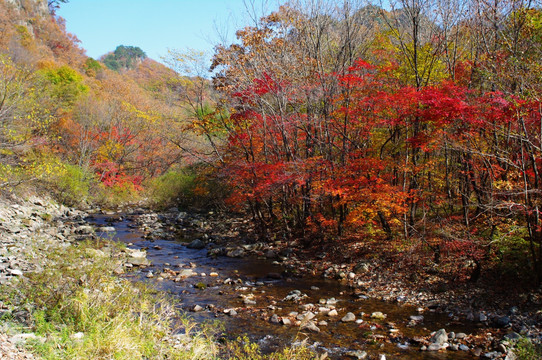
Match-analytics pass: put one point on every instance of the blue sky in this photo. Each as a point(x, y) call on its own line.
point(156, 25)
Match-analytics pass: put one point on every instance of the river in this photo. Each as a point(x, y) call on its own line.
point(257, 281)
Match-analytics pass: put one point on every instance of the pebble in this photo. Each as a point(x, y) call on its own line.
point(349, 317)
point(357, 354)
point(333, 313)
point(77, 336)
point(15, 272)
point(230, 312)
point(378, 315)
point(310, 326)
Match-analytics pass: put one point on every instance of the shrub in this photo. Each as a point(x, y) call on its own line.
point(74, 184)
point(186, 188)
point(243, 349)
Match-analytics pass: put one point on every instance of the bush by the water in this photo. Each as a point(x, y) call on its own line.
point(188, 187)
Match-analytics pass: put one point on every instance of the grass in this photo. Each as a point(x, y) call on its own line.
point(526, 350)
point(243, 349)
point(81, 310)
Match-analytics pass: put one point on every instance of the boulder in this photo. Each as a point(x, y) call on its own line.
point(440, 337)
point(196, 244)
point(357, 354)
point(501, 321)
point(236, 253)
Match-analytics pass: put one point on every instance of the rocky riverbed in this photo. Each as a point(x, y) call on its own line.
point(28, 227)
point(319, 299)
point(216, 269)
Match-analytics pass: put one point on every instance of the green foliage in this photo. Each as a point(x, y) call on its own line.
point(124, 57)
point(243, 349)
point(63, 84)
point(526, 350)
point(173, 188)
point(24, 35)
point(111, 196)
point(74, 184)
point(69, 184)
point(92, 67)
point(186, 188)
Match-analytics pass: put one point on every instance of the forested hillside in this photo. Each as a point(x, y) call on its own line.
point(84, 129)
point(367, 177)
point(418, 123)
point(417, 126)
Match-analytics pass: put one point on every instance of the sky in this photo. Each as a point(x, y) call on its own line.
point(156, 25)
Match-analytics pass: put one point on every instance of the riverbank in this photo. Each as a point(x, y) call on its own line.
point(499, 315)
point(44, 243)
point(61, 297)
point(66, 293)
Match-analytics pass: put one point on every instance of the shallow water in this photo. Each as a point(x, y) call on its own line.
point(253, 321)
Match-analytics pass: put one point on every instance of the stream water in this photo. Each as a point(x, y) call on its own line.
point(390, 336)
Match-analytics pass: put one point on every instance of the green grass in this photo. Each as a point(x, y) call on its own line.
point(243, 349)
point(526, 350)
point(83, 310)
point(118, 319)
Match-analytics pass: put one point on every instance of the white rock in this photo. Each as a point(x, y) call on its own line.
point(15, 272)
point(349, 317)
